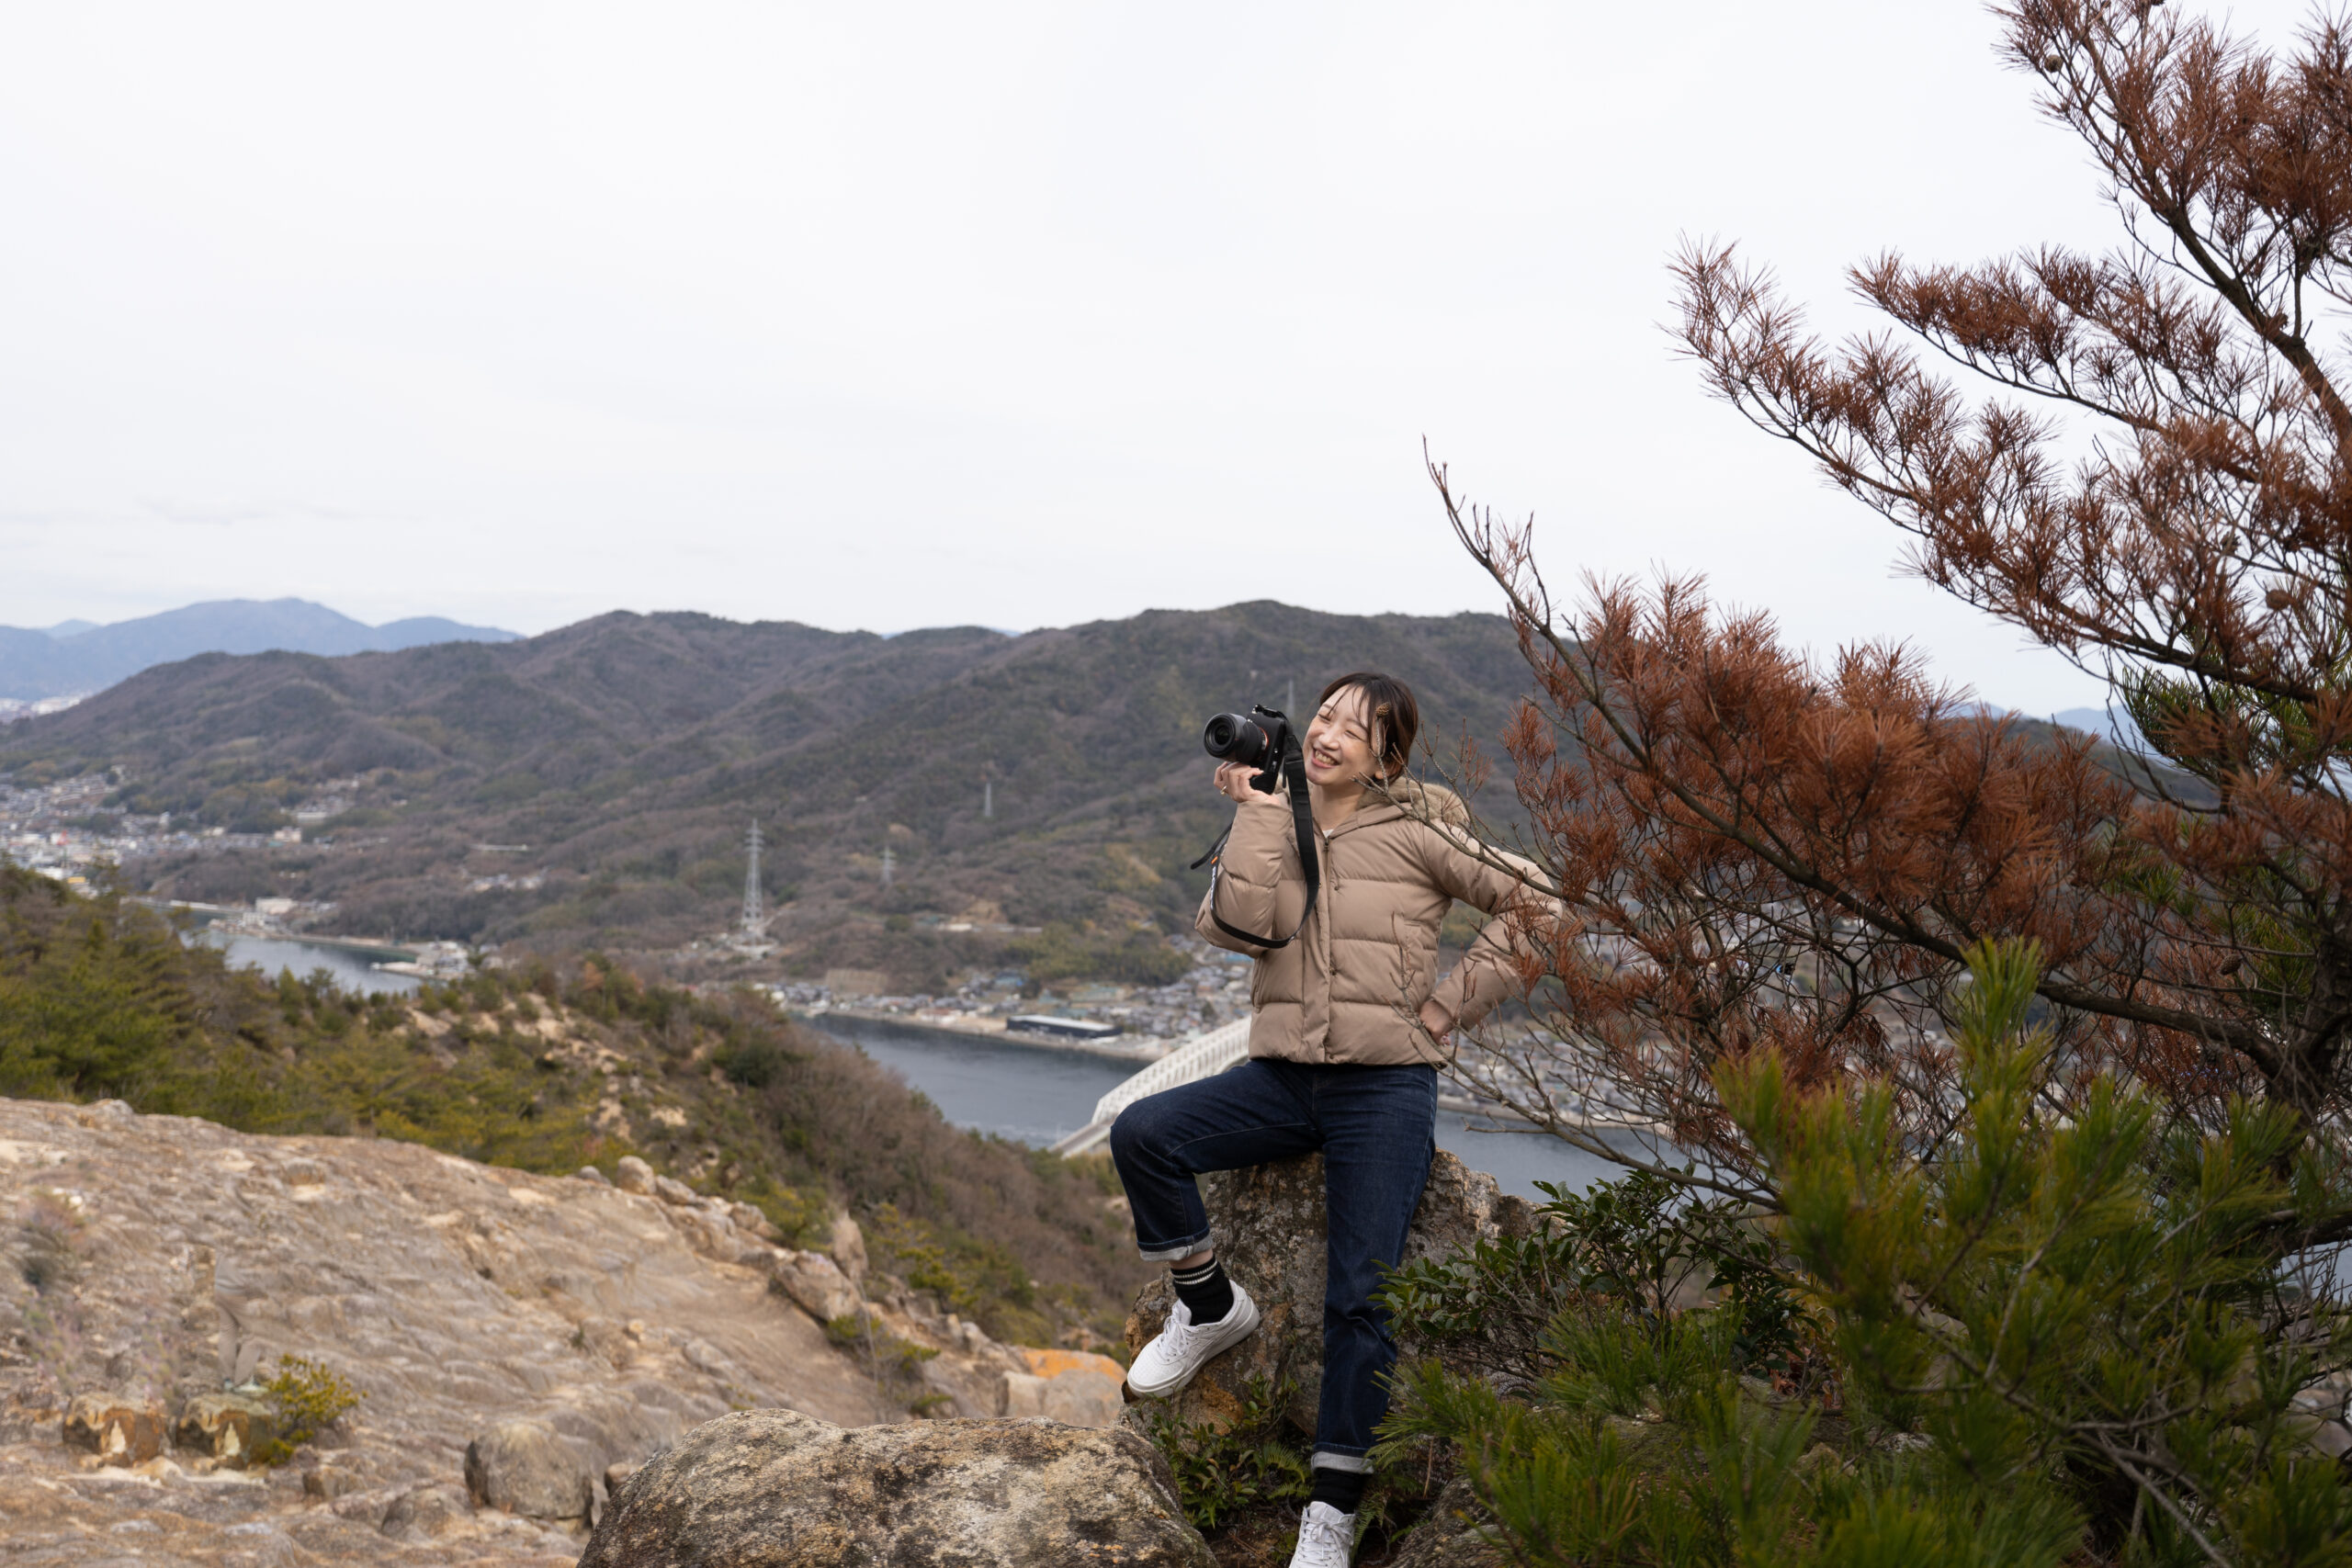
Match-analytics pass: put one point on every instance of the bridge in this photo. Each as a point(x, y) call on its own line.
point(1204, 1056)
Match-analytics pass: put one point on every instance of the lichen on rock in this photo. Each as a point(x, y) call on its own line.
point(776, 1489)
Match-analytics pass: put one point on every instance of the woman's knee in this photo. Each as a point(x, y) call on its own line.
point(1132, 1136)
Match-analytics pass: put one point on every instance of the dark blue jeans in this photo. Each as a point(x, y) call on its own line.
point(1376, 1128)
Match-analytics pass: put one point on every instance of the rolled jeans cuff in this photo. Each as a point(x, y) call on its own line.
point(1338, 1459)
point(1173, 1250)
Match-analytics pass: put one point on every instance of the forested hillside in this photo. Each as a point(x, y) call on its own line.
point(629, 753)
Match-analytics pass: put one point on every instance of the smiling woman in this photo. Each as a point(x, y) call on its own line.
point(1348, 1023)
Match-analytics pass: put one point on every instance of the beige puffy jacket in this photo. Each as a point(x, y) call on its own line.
point(1349, 987)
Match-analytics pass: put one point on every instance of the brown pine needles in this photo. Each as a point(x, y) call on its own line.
point(2148, 467)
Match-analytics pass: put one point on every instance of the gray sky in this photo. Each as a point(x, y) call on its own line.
point(889, 316)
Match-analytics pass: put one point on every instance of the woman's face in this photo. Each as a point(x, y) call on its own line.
point(1340, 742)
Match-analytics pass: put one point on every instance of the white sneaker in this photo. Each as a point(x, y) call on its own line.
point(1327, 1538)
point(1163, 1367)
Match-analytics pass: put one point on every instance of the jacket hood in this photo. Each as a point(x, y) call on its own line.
point(1432, 803)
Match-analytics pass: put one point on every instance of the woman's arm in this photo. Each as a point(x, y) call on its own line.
point(1508, 892)
point(1256, 856)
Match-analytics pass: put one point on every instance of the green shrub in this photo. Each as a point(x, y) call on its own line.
point(2068, 1339)
point(1223, 1471)
point(1618, 1261)
point(308, 1396)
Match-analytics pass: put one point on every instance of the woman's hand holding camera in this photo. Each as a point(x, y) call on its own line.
point(1233, 780)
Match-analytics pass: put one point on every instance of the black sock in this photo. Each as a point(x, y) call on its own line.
point(1205, 1291)
point(1343, 1489)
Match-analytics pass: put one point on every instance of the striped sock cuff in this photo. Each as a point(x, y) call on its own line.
point(1200, 1276)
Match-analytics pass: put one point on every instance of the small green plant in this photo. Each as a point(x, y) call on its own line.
point(901, 1356)
point(308, 1396)
point(1614, 1264)
point(915, 1253)
point(1222, 1471)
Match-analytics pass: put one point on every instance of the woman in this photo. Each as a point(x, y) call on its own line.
point(1346, 1025)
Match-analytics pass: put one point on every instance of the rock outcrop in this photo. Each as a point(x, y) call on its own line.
point(121, 1431)
point(772, 1489)
point(150, 1267)
point(815, 1284)
point(522, 1467)
point(1448, 1535)
point(1075, 1387)
point(230, 1429)
point(1270, 1234)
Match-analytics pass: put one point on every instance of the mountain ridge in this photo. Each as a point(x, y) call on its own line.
point(76, 656)
point(632, 750)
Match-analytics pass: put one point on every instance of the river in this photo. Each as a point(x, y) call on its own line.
point(1031, 1094)
point(350, 966)
point(1036, 1095)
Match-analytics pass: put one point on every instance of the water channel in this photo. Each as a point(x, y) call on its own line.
point(1037, 1095)
point(349, 966)
point(1032, 1094)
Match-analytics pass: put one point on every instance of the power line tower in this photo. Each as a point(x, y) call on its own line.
point(755, 913)
point(988, 791)
point(888, 865)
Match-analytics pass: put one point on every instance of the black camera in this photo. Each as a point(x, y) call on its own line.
point(1263, 740)
point(1258, 739)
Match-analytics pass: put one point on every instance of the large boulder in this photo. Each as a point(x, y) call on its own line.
point(847, 1245)
point(522, 1467)
point(1075, 1387)
point(635, 1176)
point(1270, 1234)
point(815, 1284)
point(120, 1429)
point(422, 1513)
point(228, 1428)
point(776, 1489)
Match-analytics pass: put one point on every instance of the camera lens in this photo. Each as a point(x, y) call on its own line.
point(1230, 738)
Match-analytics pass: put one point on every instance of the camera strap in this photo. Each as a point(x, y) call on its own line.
point(1302, 813)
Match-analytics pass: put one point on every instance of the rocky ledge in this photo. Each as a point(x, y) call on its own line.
point(770, 1489)
point(522, 1343)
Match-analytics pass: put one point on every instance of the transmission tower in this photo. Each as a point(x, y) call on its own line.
point(755, 914)
point(886, 865)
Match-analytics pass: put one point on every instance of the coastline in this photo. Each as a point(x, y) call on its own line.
point(847, 1024)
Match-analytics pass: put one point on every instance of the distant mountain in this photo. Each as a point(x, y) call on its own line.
point(2116, 730)
point(630, 753)
point(79, 656)
point(593, 784)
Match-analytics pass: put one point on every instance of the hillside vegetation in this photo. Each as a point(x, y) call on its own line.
point(547, 1069)
point(630, 753)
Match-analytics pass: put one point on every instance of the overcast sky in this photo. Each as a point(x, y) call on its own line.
point(1025, 314)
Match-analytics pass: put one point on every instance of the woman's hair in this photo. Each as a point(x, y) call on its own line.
point(1395, 716)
